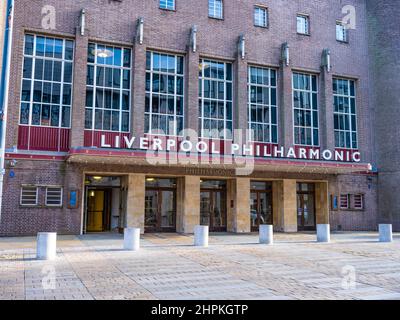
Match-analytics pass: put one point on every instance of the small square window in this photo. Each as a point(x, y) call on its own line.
point(344, 201)
point(29, 196)
point(303, 24)
point(167, 4)
point(260, 17)
point(358, 202)
point(341, 32)
point(215, 9)
point(54, 197)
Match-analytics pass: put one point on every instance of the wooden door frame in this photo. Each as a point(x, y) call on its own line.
point(158, 227)
point(258, 192)
point(107, 203)
point(224, 194)
point(106, 218)
point(303, 228)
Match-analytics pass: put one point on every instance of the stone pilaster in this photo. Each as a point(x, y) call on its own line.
point(135, 201)
point(285, 107)
point(188, 204)
point(238, 202)
point(79, 99)
point(240, 112)
point(138, 91)
point(326, 111)
point(322, 202)
point(285, 205)
point(192, 90)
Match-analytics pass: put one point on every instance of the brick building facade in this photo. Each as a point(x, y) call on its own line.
point(2, 26)
point(67, 172)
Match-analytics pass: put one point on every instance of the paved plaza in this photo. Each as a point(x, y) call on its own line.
point(233, 267)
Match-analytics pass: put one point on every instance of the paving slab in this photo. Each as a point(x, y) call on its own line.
point(94, 266)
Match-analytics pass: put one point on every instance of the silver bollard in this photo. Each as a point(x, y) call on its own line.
point(323, 233)
point(201, 236)
point(132, 239)
point(385, 233)
point(266, 234)
point(46, 246)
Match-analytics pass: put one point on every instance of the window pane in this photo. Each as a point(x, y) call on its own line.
point(66, 117)
point(29, 40)
point(220, 91)
point(58, 48)
point(55, 116)
point(49, 47)
point(305, 104)
point(26, 90)
point(164, 93)
point(215, 8)
point(24, 113)
point(262, 97)
point(36, 114)
point(48, 70)
point(91, 52)
point(88, 118)
point(69, 50)
point(67, 94)
point(40, 41)
point(46, 92)
point(27, 73)
point(345, 121)
point(68, 72)
point(110, 80)
point(127, 58)
point(167, 4)
point(45, 115)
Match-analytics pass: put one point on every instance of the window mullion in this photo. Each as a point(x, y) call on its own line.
point(32, 82)
point(121, 92)
point(225, 101)
point(60, 103)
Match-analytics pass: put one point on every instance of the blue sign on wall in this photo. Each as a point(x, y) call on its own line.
point(73, 199)
point(335, 204)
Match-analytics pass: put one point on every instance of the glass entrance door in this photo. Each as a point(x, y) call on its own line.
point(306, 219)
point(260, 209)
point(160, 205)
point(98, 210)
point(260, 204)
point(213, 205)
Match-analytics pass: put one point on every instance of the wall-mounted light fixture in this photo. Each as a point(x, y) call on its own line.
point(140, 30)
point(242, 46)
point(13, 163)
point(285, 54)
point(326, 60)
point(193, 38)
point(82, 22)
point(103, 53)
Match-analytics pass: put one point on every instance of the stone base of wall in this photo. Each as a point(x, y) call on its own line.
point(17, 220)
point(355, 220)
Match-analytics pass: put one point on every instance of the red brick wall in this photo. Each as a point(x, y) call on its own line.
point(19, 220)
point(115, 22)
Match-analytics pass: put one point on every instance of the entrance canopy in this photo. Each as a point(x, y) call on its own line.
point(119, 157)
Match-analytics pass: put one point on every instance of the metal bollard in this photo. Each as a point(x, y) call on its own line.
point(266, 234)
point(385, 233)
point(323, 233)
point(46, 246)
point(201, 236)
point(132, 239)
